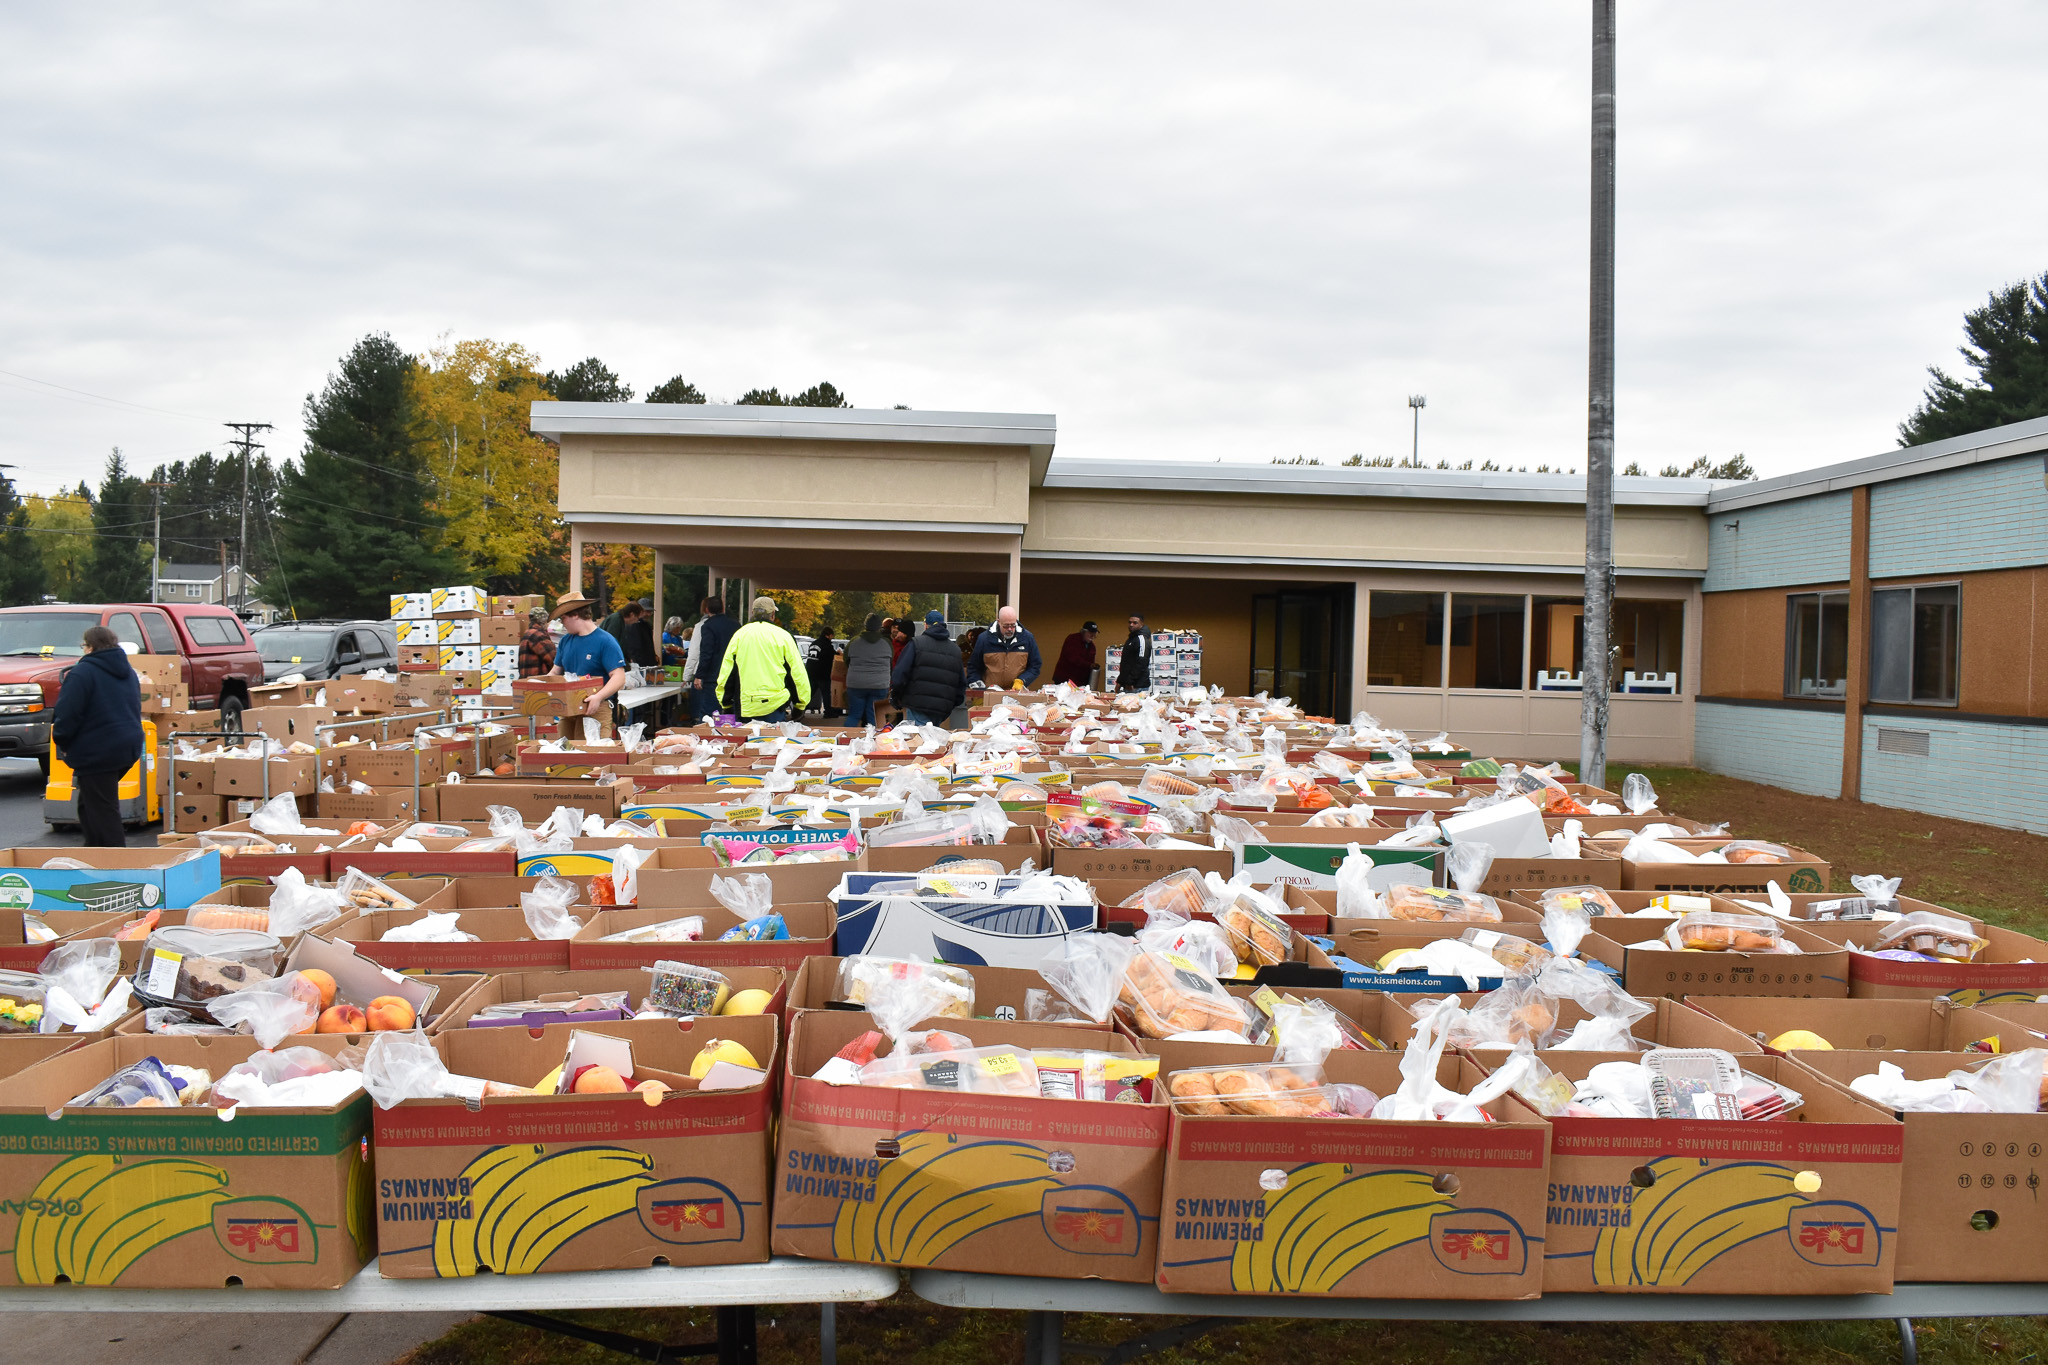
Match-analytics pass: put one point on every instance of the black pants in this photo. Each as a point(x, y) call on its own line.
point(97, 797)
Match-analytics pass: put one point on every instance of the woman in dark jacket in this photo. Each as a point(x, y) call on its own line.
point(98, 730)
point(819, 665)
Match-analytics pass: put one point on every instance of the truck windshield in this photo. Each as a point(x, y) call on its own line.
point(56, 633)
point(293, 646)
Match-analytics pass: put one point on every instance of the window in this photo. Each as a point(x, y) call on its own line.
point(214, 630)
point(126, 630)
point(1915, 644)
point(162, 640)
point(1817, 644)
point(1557, 643)
point(374, 648)
point(1486, 641)
point(1651, 636)
point(192, 590)
point(1406, 645)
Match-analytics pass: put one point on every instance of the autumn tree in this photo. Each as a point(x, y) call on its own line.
point(800, 609)
point(495, 482)
point(23, 580)
point(63, 538)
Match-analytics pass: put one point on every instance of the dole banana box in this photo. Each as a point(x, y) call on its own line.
point(570, 987)
point(20, 1051)
point(1934, 1025)
point(1806, 871)
point(535, 799)
point(20, 953)
point(1804, 1204)
point(2013, 969)
point(1970, 1211)
point(999, 992)
point(924, 1177)
point(548, 1183)
point(276, 1198)
point(590, 856)
point(1353, 1207)
point(1636, 949)
point(441, 857)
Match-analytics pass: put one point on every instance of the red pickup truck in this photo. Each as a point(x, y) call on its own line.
point(39, 644)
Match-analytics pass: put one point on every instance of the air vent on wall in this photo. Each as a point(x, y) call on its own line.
point(1911, 743)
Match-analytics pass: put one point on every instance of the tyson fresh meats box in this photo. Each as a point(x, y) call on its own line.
point(1353, 1207)
point(545, 1183)
point(279, 1198)
point(1031, 1186)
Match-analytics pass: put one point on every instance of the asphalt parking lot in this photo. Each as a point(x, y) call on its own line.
point(21, 810)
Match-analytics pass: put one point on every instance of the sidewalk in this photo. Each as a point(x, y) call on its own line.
point(245, 1338)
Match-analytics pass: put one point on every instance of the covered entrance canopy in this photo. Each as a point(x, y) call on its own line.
point(1435, 598)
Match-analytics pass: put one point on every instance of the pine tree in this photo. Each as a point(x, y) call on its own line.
point(119, 571)
point(354, 518)
point(675, 390)
point(816, 396)
point(22, 578)
point(2008, 348)
point(590, 381)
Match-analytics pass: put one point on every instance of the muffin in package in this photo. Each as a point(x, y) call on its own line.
point(1593, 900)
point(1261, 1089)
point(1716, 932)
point(1439, 904)
point(1165, 994)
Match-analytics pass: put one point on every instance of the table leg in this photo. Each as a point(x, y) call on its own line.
point(1909, 1349)
point(1042, 1333)
point(736, 1335)
point(828, 1334)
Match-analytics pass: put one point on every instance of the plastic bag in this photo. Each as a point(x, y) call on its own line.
point(1233, 833)
point(297, 906)
point(1565, 926)
point(682, 929)
point(403, 1065)
point(83, 988)
point(1305, 1032)
point(1754, 851)
point(272, 1010)
point(1941, 936)
point(750, 897)
point(1879, 889)
point(360, 889)
point(1180, 892)
point(436, 926)
point(1165, 995)
point(1468, 864)
point(900, 994)
point(546, 908)
point(1087, 971)
point(1356, 898)
point(280, 815)
point(504, 820)
point(627, 860)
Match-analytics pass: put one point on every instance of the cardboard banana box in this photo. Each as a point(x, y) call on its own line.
point(1353, 1207)
point(1020, 1186)
point(549, 1183)
point(175, 1198)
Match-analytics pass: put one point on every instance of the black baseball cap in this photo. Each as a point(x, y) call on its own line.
point(1087, 625)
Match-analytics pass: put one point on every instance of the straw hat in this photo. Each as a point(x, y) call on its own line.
point(568, 602)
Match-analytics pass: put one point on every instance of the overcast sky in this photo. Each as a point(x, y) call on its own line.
point(1194, 230)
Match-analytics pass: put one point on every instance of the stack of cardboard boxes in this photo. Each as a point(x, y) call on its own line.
point(463, 632)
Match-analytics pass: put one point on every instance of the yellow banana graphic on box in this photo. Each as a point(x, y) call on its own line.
point(1690, 1215)
point(527, 1202)
point(937, 1193)
point(124, 1209)
point(362, 1207)
point(1327, 1222)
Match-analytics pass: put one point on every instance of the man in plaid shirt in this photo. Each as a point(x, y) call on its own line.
point(536, 647)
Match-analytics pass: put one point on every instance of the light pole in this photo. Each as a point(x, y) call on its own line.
point(1416, 403)
point(1597, 665)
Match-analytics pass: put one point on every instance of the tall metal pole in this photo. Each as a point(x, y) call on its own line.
point(156, 543)
point(242, 541)
point(1596, 670)
point(1416, 403)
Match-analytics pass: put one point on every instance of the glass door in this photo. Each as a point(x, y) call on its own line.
point(1301, 647)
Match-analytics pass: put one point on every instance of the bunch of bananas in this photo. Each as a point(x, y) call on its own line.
point(124, 1209)
point(527, 1202)
point(1690, 1215)
point(937, 1193)
point(1328, 1222)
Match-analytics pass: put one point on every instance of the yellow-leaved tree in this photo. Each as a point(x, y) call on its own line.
point(806, 605)
point(67, 557)
point(495, 481)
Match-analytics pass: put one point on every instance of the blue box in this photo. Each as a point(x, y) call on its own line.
point(113, 880)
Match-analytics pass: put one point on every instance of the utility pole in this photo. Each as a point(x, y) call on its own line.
point(156, 543)
point(242, 544)
point(1416, 403)
point(1597, 667)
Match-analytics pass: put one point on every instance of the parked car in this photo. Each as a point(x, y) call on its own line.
point(38, 646)
point(326, 649)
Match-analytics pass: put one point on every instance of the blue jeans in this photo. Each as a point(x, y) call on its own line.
point(919, 718)
point(860, 705)
point(775, 717)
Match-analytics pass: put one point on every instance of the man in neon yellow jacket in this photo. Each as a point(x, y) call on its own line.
point(771, 672)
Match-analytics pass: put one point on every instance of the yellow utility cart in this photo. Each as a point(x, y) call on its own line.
point(140, 802)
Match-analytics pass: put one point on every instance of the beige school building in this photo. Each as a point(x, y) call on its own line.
point(1435, 599)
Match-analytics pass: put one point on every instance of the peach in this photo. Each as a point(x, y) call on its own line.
point(390, 1014)
point(598, 1080)
point(323, 981)
point(651, 1091)
point(341, 1019)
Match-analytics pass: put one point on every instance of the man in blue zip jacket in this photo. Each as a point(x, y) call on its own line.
point(98, 730)
point(1005, 655)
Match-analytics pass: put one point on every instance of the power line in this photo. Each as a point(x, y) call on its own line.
point(99, 397)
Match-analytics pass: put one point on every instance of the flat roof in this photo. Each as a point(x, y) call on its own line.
point(1979, 447)
point(1343, 481)
point(815, 424)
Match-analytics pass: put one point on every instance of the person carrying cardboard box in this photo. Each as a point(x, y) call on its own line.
point(587, 651)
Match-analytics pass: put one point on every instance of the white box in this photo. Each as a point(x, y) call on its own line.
point(502, 659)
point(467, 631)
point(460, 599)
point(1513, 829)
point(416, 632)
point(411, 606)
point(472, 657)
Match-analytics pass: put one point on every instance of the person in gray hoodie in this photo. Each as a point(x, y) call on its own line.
point(868, 656)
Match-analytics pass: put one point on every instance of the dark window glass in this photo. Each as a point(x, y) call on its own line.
point(1916, 644)
point(1486, 641)
point(1405, 645)
point(1817, 644)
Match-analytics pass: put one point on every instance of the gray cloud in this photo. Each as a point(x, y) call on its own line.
point(1195, 230)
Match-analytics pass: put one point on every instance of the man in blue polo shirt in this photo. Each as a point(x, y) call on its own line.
point(588, 652)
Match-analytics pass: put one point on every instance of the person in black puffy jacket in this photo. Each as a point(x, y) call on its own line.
point(929, 679)
point(98, 730)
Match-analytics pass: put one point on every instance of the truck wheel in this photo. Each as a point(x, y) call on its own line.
point(43, 762)
point(231, 715)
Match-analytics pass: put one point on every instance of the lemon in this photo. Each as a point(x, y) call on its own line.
point(721, 1050)
point(748, 1002)
point(1799, 1038)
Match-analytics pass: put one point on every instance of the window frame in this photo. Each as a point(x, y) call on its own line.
point(1820, 598)
point(1912, 632)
